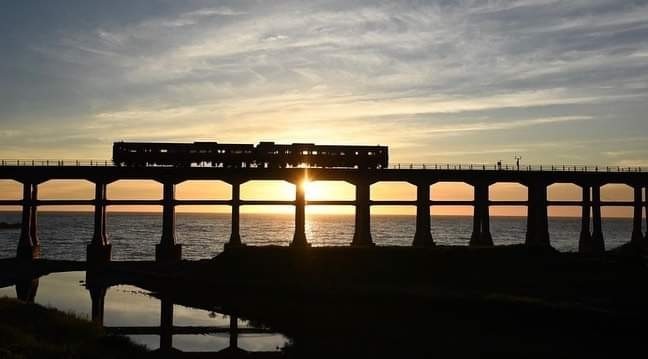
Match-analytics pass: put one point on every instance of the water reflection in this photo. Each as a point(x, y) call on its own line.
point(157, 323)
point(26, 289)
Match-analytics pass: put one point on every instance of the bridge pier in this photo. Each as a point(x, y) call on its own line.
point(299, 238)
point(166, 325)
point(481, 235)
point(233, 332)
point(168, 250)
point(98, 298)
point(423, 234)
point(637, 233)
point(235, 236)
point(537, 217)
point(28, 243)
point(585, 240)
point(598, 243)
point(26, 289)
point(98, 252)
point(362, 233)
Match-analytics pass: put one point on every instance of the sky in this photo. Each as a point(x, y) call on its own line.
point(555, 82)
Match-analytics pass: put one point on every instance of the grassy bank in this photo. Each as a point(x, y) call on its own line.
point(33, 331)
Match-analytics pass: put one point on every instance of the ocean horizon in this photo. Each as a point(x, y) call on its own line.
point(64, 235)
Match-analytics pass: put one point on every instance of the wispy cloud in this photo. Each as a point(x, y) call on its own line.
point(429, 78)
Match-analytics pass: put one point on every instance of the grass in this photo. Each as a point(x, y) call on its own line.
point(30, 330)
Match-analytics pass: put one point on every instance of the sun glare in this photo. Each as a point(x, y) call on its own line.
point(312, 190)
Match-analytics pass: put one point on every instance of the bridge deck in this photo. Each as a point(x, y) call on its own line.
point(111, 173)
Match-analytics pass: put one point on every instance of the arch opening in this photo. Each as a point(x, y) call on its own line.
point(66, 189)
point(203, 189)
point(390, 229)
point(325, 228)
point(392, 191)
point(134, 189)
point(203, 230)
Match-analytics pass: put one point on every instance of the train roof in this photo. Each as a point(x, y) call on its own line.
point(262, 143)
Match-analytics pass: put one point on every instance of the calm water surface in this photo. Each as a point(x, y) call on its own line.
point(65, 235)
point(129, 306)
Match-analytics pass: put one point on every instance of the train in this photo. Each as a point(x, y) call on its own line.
point(236, 155)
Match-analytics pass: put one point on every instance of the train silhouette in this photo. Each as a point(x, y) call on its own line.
point(263, 155)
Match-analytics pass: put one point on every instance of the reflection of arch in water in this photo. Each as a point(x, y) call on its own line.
point(26, 289)
point(167, 330)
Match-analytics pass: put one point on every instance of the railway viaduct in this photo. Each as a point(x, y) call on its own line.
point(536, 179)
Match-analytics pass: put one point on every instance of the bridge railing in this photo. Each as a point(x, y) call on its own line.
point(402, 165)
point(514, 167)
point(55, 163)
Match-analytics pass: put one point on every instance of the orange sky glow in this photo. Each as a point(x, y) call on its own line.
point(317, 190)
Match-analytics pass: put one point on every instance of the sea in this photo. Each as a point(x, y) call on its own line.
point(134, 235)
point(64, 235)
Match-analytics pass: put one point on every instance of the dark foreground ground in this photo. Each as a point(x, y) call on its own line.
point(31, 331)
point(407, 302)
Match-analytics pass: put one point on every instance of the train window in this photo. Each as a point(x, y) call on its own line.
point(132, 150)
point(370, 153)
point(163, 150)
point(304, 152)
point(314, 152)
point(276, 152)
point(324, 152)
point(342, 154)
point(356, 153)
point(288, 152)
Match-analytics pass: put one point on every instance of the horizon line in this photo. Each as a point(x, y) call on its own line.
point(311, 214)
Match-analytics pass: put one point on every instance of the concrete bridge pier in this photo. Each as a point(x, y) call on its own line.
point(423, 234)
point(537, 217)
point(637, 234)
point(598, 243)
point(299, 238)
point(481, 235)
point(233, 332)
point(235, 236)
point(28, 243)
point(99, 250)
point(98, 298)
point(168, 251)
point(26, 289)
point(166, 325)
point(585, 240)
point(362, 233)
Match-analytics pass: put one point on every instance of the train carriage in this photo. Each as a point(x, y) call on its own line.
point(265, 155)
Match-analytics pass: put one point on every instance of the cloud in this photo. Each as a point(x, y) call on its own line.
point(498, 126)
point(415, 75)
